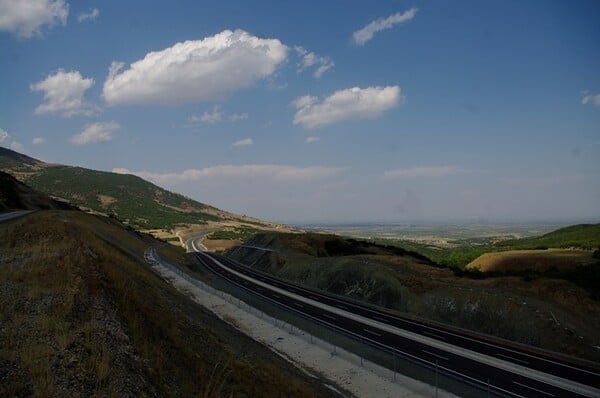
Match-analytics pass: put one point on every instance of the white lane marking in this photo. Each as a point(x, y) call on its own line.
point(435, 355)
point(434, 335)
point(372, 332)
point(533, 388)
point(381, 319)
point(511, 358)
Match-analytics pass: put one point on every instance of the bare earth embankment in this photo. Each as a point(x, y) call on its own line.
point(537, 260)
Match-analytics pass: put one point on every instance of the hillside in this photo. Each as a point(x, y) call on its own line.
point(131, 199)
point(558, 312)
point(83, 315)
point(15, 195)
point(583, 236)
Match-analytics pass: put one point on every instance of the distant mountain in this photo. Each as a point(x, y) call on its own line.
point(133, 200)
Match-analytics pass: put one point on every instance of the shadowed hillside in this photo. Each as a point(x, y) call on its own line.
point(15, 195)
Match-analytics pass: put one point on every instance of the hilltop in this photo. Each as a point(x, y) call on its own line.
point(129, 198)
point(84, 315)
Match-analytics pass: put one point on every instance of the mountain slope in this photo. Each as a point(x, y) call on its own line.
point(133, 200)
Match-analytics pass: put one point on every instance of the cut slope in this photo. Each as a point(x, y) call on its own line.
point(83, 315)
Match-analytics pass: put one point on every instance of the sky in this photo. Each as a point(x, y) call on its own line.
point(332, 111)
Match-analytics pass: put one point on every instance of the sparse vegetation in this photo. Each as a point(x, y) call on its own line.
point(82, 314)
point(240, 234)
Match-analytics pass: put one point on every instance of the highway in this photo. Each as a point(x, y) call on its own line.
point(511, 372)
point(13, 214)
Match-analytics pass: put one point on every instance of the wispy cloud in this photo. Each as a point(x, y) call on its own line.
point(88, 16)
point(238, 116)
point(244, 142)
point(272, 172)
point(95, 132)
point(421, 172)
point(351, 103)
point(208, 117)
point(311, 139)
point(365, 34)
point(309, 59)
point(38, 140)
point(592, 99)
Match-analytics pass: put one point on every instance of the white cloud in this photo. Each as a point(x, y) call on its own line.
point(85, 16)
point(351, 103)
point(195, 70)
point(238, 116)
point(95, 132)
point(365, 34)
point(25, 18)
point(272, 172)
point(421, 172)
point(8, 142)
point(244, 142)
point(64, 94)
point(593, 99)
point(310, 59)
point(16, 146)
point(311, 139)
point(38, 140)
point(208, 117)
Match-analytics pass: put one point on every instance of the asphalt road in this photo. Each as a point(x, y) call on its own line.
point(508, 371)
point(13, 215)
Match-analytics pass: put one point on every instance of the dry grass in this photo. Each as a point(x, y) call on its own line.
point(537, 260)
point(82, 314)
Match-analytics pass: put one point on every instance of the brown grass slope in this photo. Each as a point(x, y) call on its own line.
point(83, 315)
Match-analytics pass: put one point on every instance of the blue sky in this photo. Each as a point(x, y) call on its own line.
point(327, 111)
